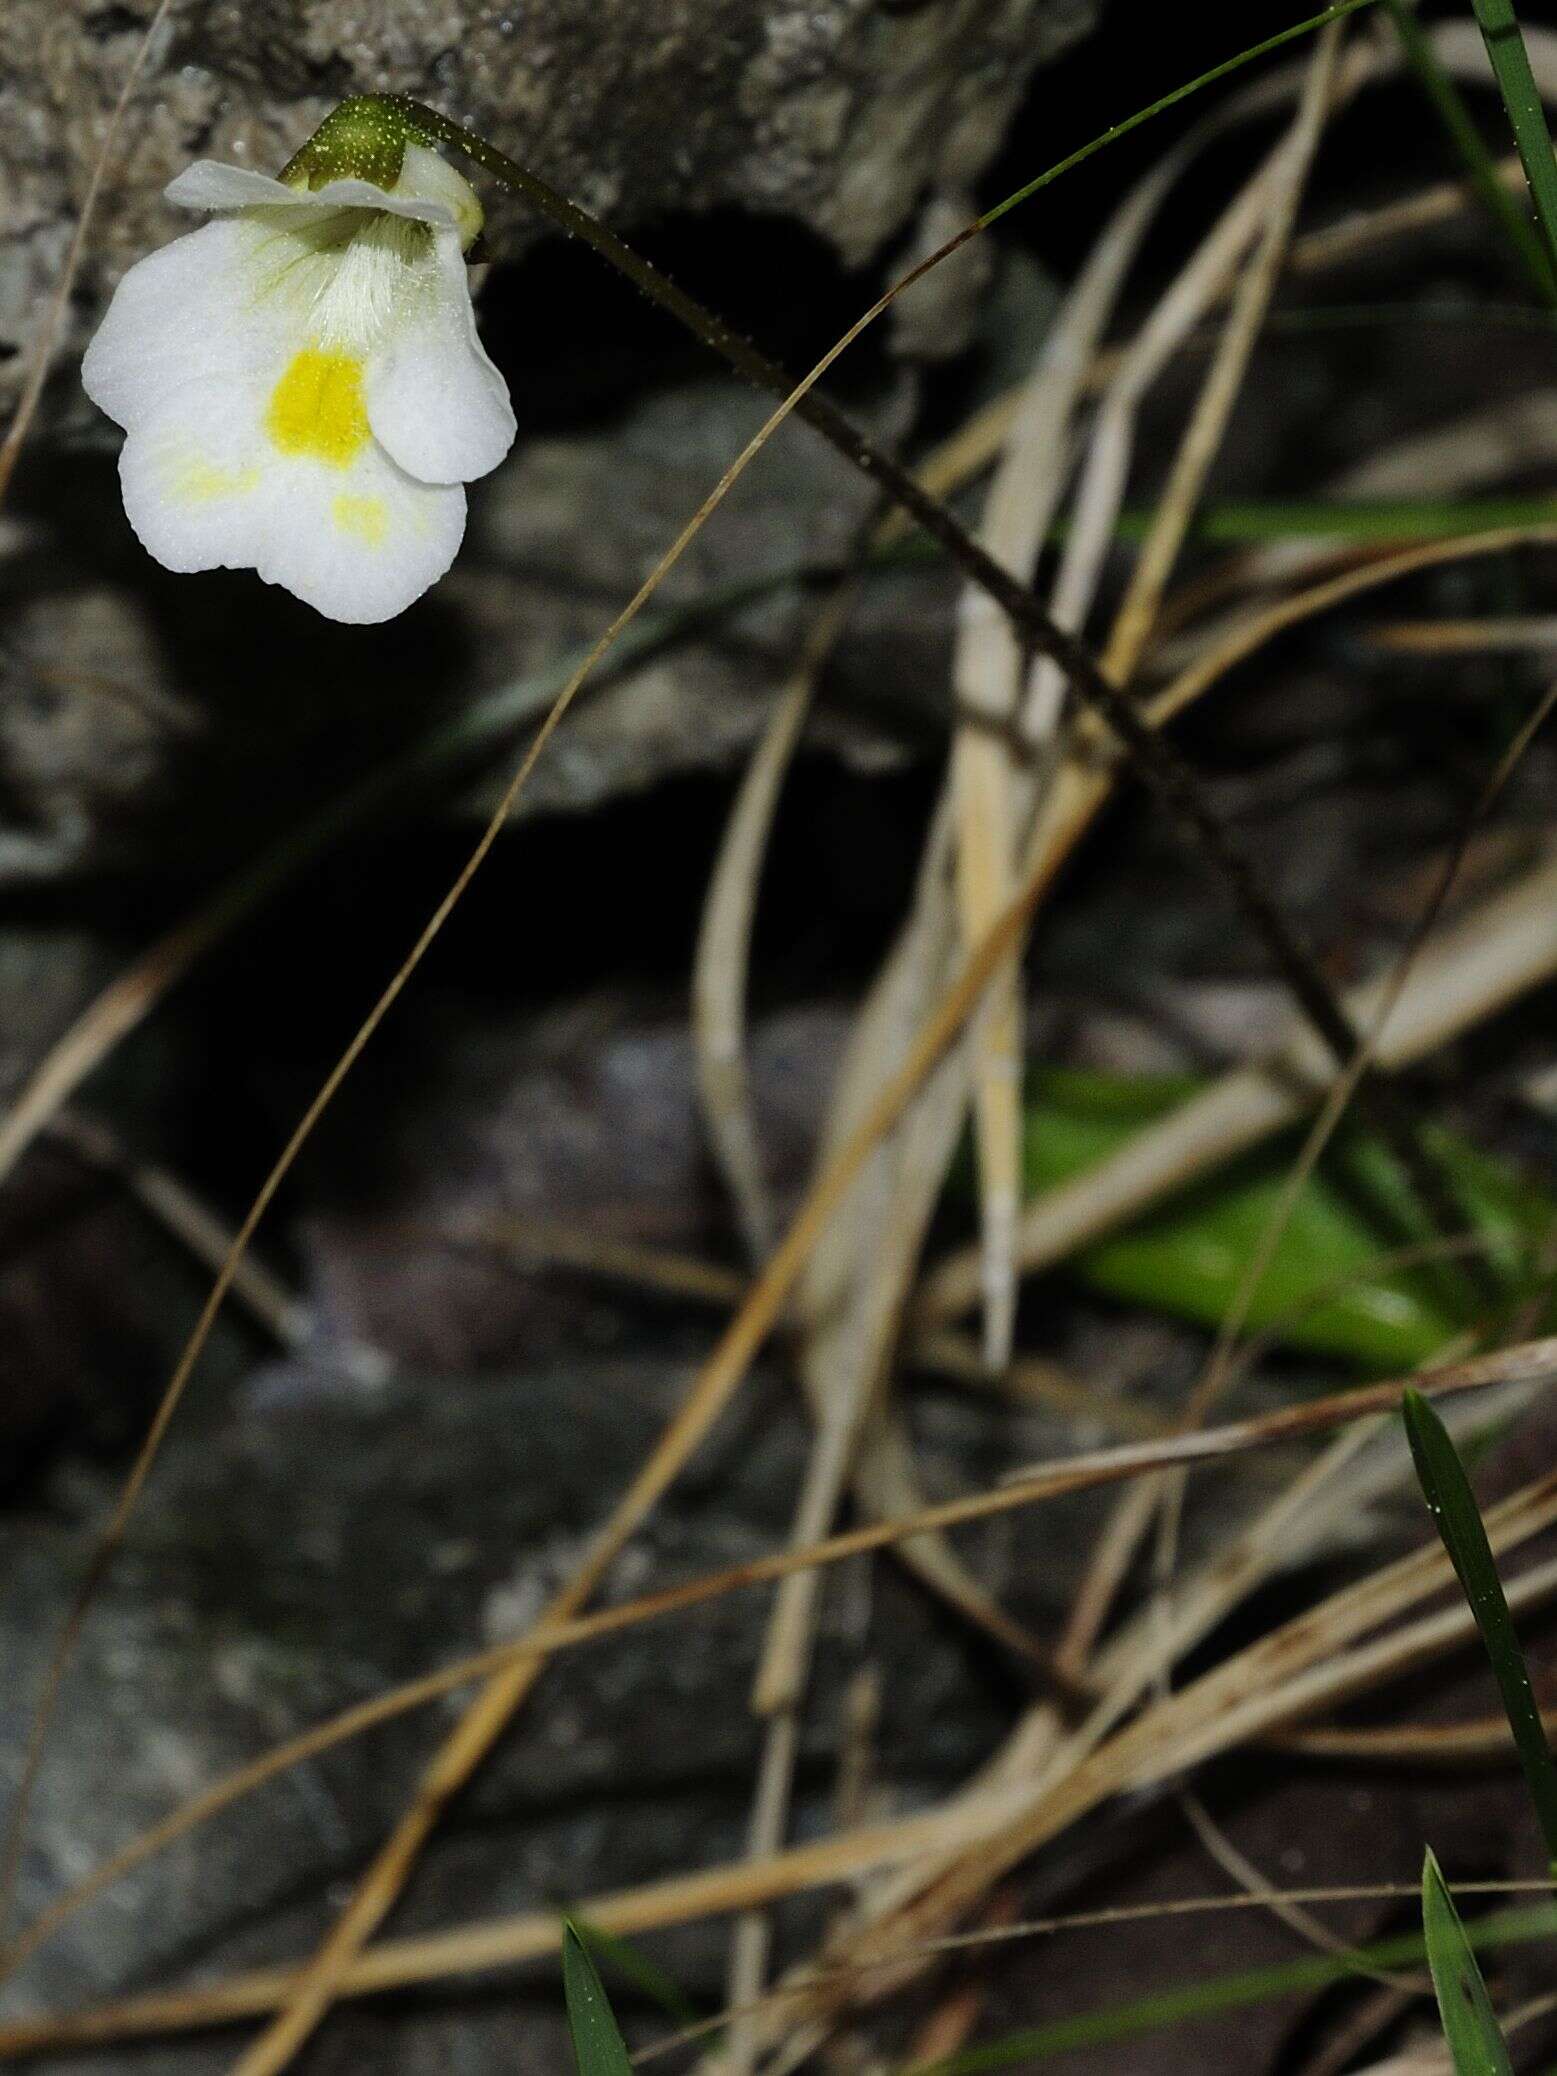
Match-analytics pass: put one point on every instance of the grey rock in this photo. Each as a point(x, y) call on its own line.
point(284, 1567)
point(839, 113)
point(177, 723)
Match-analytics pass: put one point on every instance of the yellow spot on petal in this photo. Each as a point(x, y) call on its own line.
point(317, 409)
point(364, 518)
point(197, 481)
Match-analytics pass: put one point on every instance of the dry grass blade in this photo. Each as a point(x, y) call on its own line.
point(1296, 1916)
point(1134, 1661)
point(848, 1302)
point(854, 1291)
point(1200, 285)
point(1177, 783)
point(1220, 1368)
point(1029, 1381)
point(1320, 1660)
point(1503, 947)
point(727, 1365)
point(1250, 632)
point(137, 991)
point(1309, 1664)
point(512, 1941)
point(1281, 186)
point(190, 1221)
point(994, 787)
point(723, 953)
point(1525, 1367)
point(298, 2023)
point(748, 1329)
point(1445, 987)
point(1463, 637)
point(1107, 1566)
point(1483, 1743)
point(1368, 1459)
point(724, 940)
point(989, 787)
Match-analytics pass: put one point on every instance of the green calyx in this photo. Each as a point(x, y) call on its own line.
point(363, 139)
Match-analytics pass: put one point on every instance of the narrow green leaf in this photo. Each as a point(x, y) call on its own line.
point(1325, 1288)
point(640, 1971)
point(1379, 519)
point(1458, 1519)
point(1469, 2023)
point(1216, 1994)
point(1508, 218)
point(597, 2045)
point(1237, 520)
point(1516, 83)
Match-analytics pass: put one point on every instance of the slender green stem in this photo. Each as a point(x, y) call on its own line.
point(1193, 86)
point(1511, 222)
point(1516, 83)
point(1150, 753)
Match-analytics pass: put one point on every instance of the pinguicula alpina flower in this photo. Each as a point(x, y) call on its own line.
point(300, 380)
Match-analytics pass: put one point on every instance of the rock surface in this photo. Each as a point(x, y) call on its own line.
point(148, 722)
point(839, 113)
point(287, 1564)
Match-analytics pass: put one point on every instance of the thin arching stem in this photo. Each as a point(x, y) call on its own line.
point(1149, 751)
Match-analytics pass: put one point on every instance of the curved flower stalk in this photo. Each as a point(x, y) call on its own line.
point(300, 380)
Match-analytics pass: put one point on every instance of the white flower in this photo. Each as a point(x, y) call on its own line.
point(302, 384)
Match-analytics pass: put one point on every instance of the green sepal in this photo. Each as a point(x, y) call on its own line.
point(363, 139)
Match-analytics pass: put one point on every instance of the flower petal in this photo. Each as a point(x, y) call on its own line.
point(205, 487)
point(434, 399)
point(187, 312)
point(426, 176)
point(210, 184)
point(363, 547)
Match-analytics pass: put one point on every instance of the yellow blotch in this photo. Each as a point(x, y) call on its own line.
point(317, 408)
point(364, 518)
point(200, 482)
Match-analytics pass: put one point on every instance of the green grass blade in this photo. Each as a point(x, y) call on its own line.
point(1469, 2023)
point(1458, 1519)
point(640, 1971)
point(1480, 170)
point(1193, 86)
point(597, 2045)
point(1237, 520)
point(1516, 83)
point(1218, 1994)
